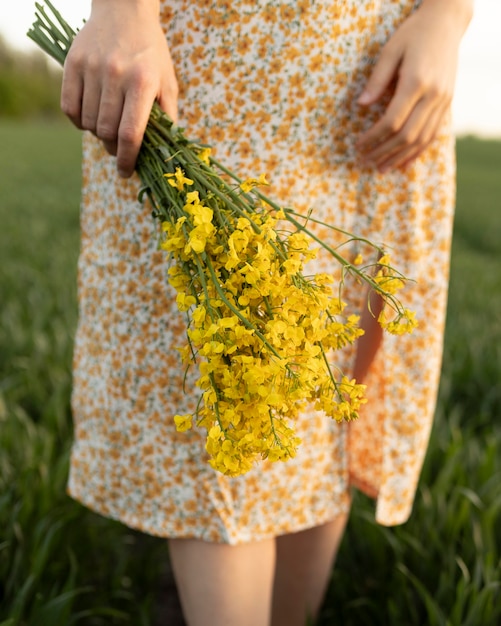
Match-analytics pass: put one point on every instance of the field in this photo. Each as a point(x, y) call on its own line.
point(61, 564)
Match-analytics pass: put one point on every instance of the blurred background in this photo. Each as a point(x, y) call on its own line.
point(60, 564)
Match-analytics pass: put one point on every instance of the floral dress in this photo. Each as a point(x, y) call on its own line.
point(272, 86)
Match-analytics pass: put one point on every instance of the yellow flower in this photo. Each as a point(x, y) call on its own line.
point(184, 302)
point(390, 284)
point(292, 266)
point(198, 237)
point(405, 322)
point(255, 379)
point(250, 183)
point(192, 197)
point(351, 388)
point(204, 155)
point(201, 214)
point(298, 242)
point(228, 322)
point(178, 179)
point(199, 314)
point(183, 422)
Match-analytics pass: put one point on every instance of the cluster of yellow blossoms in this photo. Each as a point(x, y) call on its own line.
point(259, 330)
point(401, 320)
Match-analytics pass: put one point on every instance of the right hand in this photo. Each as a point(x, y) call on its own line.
point(117, 66)
point(420, 61)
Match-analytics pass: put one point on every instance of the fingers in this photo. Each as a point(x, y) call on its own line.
point(71, 94)
point(402, 141)
point(113, 107)
point(382, 75)
point(428, 134)
point(393, 143)
point(420, 59)
point(385, 133)
point(108, 117)
point(169, 105)
point(119, 120)
point(135, 114)
point(386, 136)
point(136, 111)
point(167, 98)
point(110, 85)
point(91, 97)
point(409, 123)
point(407, 96)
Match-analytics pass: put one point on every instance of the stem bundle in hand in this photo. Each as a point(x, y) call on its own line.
point(259, 330)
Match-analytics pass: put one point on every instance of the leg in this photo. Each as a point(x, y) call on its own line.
point(304, 564)
point(368, 344)
point(367, 347)
point(223, 585)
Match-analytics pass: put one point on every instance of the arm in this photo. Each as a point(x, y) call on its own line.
point(421, 60)
point(117, 66)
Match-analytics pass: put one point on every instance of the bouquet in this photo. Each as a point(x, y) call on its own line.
point(259, 329)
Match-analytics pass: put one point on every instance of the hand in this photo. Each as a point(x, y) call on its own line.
point(118, 65)
point(420, 60)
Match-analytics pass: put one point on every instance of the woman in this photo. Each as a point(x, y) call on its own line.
point(345, 106)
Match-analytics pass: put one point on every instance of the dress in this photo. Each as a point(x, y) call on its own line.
point(272, 86)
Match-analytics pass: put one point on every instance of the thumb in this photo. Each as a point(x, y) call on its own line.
point(383, 73)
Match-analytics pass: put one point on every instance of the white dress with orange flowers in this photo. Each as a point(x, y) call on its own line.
point(272, 86)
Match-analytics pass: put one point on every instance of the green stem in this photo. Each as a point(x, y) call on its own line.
point(234, 310)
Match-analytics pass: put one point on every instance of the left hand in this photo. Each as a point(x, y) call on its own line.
point(420, 59)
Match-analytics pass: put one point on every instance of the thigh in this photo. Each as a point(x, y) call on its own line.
point(224, 584)
point(304, 562)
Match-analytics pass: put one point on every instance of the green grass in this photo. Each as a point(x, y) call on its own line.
point(61, 564)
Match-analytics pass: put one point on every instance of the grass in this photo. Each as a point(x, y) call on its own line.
point(61, 564)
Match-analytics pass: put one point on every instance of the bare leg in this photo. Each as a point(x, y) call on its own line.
point(368, 344)
point(367, 347)
point(304, 565)
point(223, 585)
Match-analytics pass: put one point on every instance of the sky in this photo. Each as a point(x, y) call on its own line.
point(477, 101)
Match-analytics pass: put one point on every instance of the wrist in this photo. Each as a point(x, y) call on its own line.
point(458, 12)
point(137, 6)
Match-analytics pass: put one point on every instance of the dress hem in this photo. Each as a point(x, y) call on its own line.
point(148, 529)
